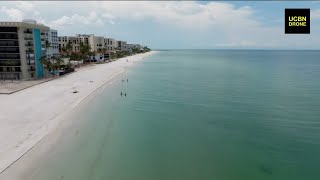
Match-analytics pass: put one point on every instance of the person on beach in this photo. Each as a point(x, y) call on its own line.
point(125, 94)
point(121, 93)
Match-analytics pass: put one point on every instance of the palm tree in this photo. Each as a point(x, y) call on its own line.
point(64, 51)
point(75, 57)
point(104, 50)
point(84, 50)
point(48, 44)
point(92, 54)
point(46, 63)
point(146, 49)
point(113, 55)
point(69, 48)
point(135, 50)
point(57, 63)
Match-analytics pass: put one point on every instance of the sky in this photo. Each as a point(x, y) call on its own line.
point(174, 24)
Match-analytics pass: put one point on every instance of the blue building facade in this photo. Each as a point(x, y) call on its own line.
point(38, 52)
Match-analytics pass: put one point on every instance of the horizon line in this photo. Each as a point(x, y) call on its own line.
point(165, 49)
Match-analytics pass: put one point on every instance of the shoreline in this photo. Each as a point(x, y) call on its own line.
point(22, 126)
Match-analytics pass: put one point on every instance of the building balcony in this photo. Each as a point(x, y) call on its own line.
point(29, 44)
point(4, 36)
point(28, 38)
point(31, 63)
point(29, 51)
point(32, 69)
point(10, 63)
point(27, 32)
point(9, 52)
point(8, 29)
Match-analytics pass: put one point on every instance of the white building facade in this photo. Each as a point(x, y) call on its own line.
point(121, 45)
point(110, 44)
point(22, 45)
point(52, 39)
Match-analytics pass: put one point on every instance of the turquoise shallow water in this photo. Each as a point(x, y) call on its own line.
point(224, 115)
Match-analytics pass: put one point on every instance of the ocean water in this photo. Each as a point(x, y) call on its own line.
point(198, 114)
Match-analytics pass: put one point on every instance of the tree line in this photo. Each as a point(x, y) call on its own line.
point(84, 54)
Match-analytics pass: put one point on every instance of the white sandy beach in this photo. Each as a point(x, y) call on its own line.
point(29, 115)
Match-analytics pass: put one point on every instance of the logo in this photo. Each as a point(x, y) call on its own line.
point(297, 21)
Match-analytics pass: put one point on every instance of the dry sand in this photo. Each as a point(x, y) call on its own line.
point(29, 115)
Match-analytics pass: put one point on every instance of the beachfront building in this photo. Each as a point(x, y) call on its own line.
point(74, 41)
point(22, 44)
point(102, 47)
point(96, 43)
point(121, 45)
point(130, 47)
point(110, 47)
point(62, 40)
point(52, 49)
point(110, 44)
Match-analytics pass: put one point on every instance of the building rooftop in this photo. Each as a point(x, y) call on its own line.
point(28, 23)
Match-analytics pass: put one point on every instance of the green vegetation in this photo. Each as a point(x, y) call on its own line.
point(54, 64)
point(85, 52)
point(48, 44)
point(146, 49)
point(121, 54)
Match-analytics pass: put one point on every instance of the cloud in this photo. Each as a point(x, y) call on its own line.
point(12, 13)
point(188, 14)
point(25, 5)
point(221, 24)
point(20, 10)
point(91, 19)
point(315, 14)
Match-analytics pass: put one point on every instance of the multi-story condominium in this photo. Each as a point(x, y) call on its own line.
point(121, 45)
point(22, 45)
point(133, 46)
point(52, 39)
point(63, 41)
point(110, 44)
point(83, 38)
point(96, 43)
point(74, 41)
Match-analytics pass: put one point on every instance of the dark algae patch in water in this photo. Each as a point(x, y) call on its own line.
point(265, 169)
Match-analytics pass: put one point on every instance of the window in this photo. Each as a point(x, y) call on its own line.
point(8, 43)
point(8, 29)
point(9, 56)
point(10, 63)
point(9, 49)
point(8, 36)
